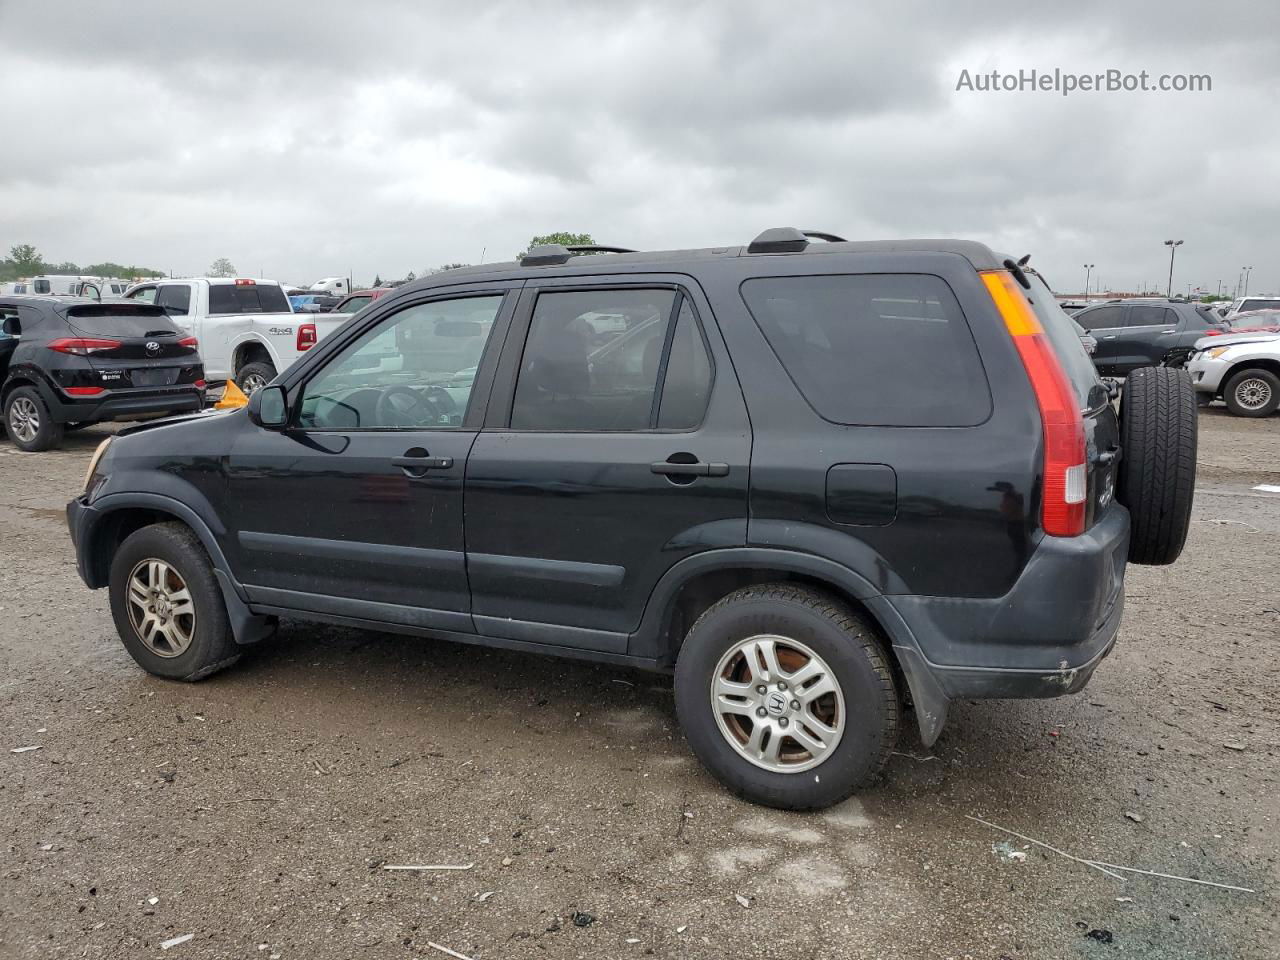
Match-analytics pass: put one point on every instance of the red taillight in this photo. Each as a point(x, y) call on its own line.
point(191, 342)
point(84, 391)
point(200, 384)
point(82, 346)
point(1065, 464)
point(307, 336)
point(244, 283)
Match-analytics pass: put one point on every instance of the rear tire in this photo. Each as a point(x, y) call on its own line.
point(1157, 474)
point(179, 631)
point(28, 421)
point(815, 641)
point(1253, 393)
point(252, 377)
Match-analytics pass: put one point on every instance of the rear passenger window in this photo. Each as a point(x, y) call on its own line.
point(592, 360)
point(874, 349)
point(231, 298)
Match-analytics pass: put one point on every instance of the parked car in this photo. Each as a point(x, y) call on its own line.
point(1242, 369)
point(313, 302)
point(246, 330)
point(1144, 332)
point(66, 363)
point(809, 479)
point(1255, 321)
point(357, 300)
point(1256, 302)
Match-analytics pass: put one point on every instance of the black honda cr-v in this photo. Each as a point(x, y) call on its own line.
point(821, 482)
point(67, 362)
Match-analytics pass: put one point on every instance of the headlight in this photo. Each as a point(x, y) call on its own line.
point(93, 462)
point(1216, 352)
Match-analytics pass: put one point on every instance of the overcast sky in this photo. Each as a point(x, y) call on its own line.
point(309, 139)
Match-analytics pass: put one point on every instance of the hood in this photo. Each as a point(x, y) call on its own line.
point(207, 414)
point(1232, 339)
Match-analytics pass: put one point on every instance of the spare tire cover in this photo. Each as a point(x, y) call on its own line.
point(1157, 472)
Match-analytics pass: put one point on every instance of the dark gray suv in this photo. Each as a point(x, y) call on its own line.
point(1145, 332)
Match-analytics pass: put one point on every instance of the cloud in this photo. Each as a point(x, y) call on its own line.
point(389, 136)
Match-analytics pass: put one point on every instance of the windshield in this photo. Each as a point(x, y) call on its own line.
point(1061, 330)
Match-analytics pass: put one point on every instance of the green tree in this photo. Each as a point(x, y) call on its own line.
point(222, 267)
point(443, 267)
point(26, 258)
point(377, 279)
point(562, 237)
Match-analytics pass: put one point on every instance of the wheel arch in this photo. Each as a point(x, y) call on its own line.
point(251, 348)
point(697, 582)
point(120, 515)
point(1270, 364)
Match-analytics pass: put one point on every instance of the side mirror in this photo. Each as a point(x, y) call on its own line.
point(269, 408)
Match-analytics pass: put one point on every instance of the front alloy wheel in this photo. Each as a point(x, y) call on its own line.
point(161, 610)
point(777, 703)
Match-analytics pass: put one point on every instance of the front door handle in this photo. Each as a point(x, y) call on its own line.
point(1110, 336)
point(416, 462)
point(697, 469)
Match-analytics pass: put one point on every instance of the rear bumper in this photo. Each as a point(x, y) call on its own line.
point(1042, 639)
point(130, 405)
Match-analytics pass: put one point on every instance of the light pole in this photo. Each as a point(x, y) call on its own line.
point(1173, 246)
point(1247, 271)
point(1219, 289)
point(1088, 268)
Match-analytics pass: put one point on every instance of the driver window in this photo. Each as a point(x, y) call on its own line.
point(413, 371)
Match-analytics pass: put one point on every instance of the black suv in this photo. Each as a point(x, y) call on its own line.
point(1145, 332)
point(68, 362)
point(817, 480)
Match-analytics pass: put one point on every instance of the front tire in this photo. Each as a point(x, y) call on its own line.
point(167, 606)
point(1253, 393)
point(828, 715)
point(252, 377)
point(28, 421)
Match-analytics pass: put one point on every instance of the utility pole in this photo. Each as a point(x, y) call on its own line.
point(1173, 246)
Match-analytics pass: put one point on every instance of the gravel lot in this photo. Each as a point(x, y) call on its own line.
point(255, 810)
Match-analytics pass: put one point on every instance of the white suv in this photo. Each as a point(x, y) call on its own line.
point(1241, 368)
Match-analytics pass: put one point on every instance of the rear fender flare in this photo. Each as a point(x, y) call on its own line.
point(929, 699)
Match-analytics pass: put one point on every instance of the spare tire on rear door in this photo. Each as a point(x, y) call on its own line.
point(1157, 473)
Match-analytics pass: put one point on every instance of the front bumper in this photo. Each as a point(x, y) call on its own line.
point(80, 518)
point(1206, 375)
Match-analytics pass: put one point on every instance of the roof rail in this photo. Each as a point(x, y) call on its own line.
point(596, 248)
point(779, 240)
point(546, 254)
point(821, 235)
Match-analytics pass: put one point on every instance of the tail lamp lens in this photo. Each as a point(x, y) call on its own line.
point(82, 346)
point(307, 336)
point(1065, 464)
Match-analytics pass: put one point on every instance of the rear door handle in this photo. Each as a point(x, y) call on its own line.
point(668, 469)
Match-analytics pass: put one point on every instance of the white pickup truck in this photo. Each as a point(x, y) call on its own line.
point(246, 329)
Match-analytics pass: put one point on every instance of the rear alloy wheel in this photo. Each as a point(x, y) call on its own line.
point(786, 695)
point(28, 421)
point(1253, 393)
point(252, 377)
point(1156, 478)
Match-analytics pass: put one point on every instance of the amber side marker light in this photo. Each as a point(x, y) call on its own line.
point(1065, 467)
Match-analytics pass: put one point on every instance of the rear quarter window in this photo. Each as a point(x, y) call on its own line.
point(874, 349)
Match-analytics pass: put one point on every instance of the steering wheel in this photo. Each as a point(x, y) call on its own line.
point(400, 405)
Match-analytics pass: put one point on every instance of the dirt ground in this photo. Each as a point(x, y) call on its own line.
point(256, 810)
